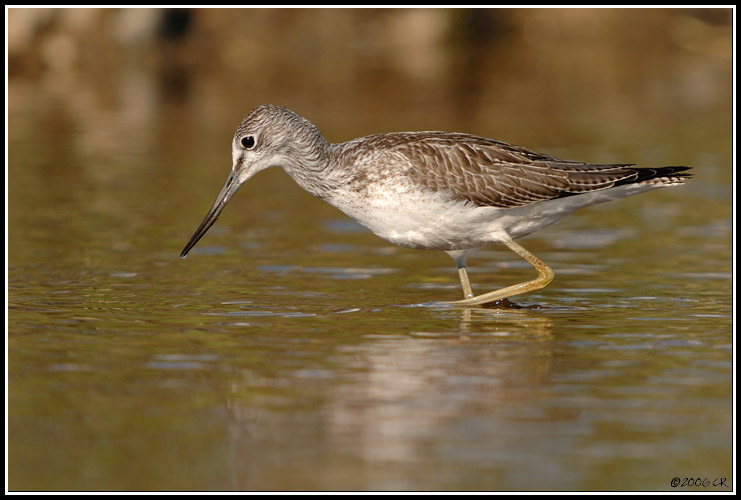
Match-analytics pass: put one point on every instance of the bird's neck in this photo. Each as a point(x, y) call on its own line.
point(310, 165)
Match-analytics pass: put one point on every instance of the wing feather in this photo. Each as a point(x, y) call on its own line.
point(494, 173)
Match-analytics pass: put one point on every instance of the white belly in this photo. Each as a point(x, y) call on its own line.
point(412, 217)
point(432, 220)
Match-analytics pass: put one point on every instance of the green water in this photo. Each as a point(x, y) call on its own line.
point(293, 350)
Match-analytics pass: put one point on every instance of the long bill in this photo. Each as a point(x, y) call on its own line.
point(230, 187)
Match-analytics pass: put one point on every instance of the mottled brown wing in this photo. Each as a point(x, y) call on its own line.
point(494, 173)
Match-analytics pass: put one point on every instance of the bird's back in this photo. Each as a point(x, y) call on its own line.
point(487, 172)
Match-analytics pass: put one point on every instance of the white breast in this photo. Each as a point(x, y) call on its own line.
point(409, 215)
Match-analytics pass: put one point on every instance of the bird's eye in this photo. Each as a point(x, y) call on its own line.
point(248, 142)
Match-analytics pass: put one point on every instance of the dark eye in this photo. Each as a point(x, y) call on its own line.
point(248, 142)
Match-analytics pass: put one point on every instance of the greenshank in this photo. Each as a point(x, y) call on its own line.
point(432, 190)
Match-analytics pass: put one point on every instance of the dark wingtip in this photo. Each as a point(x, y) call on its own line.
point(673, 171)
point(646, 174)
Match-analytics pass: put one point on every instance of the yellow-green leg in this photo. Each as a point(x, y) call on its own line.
point(545, 276)
point(465, 283)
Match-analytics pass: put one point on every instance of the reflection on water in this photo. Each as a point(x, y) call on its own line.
point(293, 350)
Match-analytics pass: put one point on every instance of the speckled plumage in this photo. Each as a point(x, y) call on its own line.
point(431, 190)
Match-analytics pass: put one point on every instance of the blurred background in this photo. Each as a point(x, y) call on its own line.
point(281, 353)
point(459, 68)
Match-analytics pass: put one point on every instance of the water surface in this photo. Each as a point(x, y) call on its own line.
point(294, 350)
